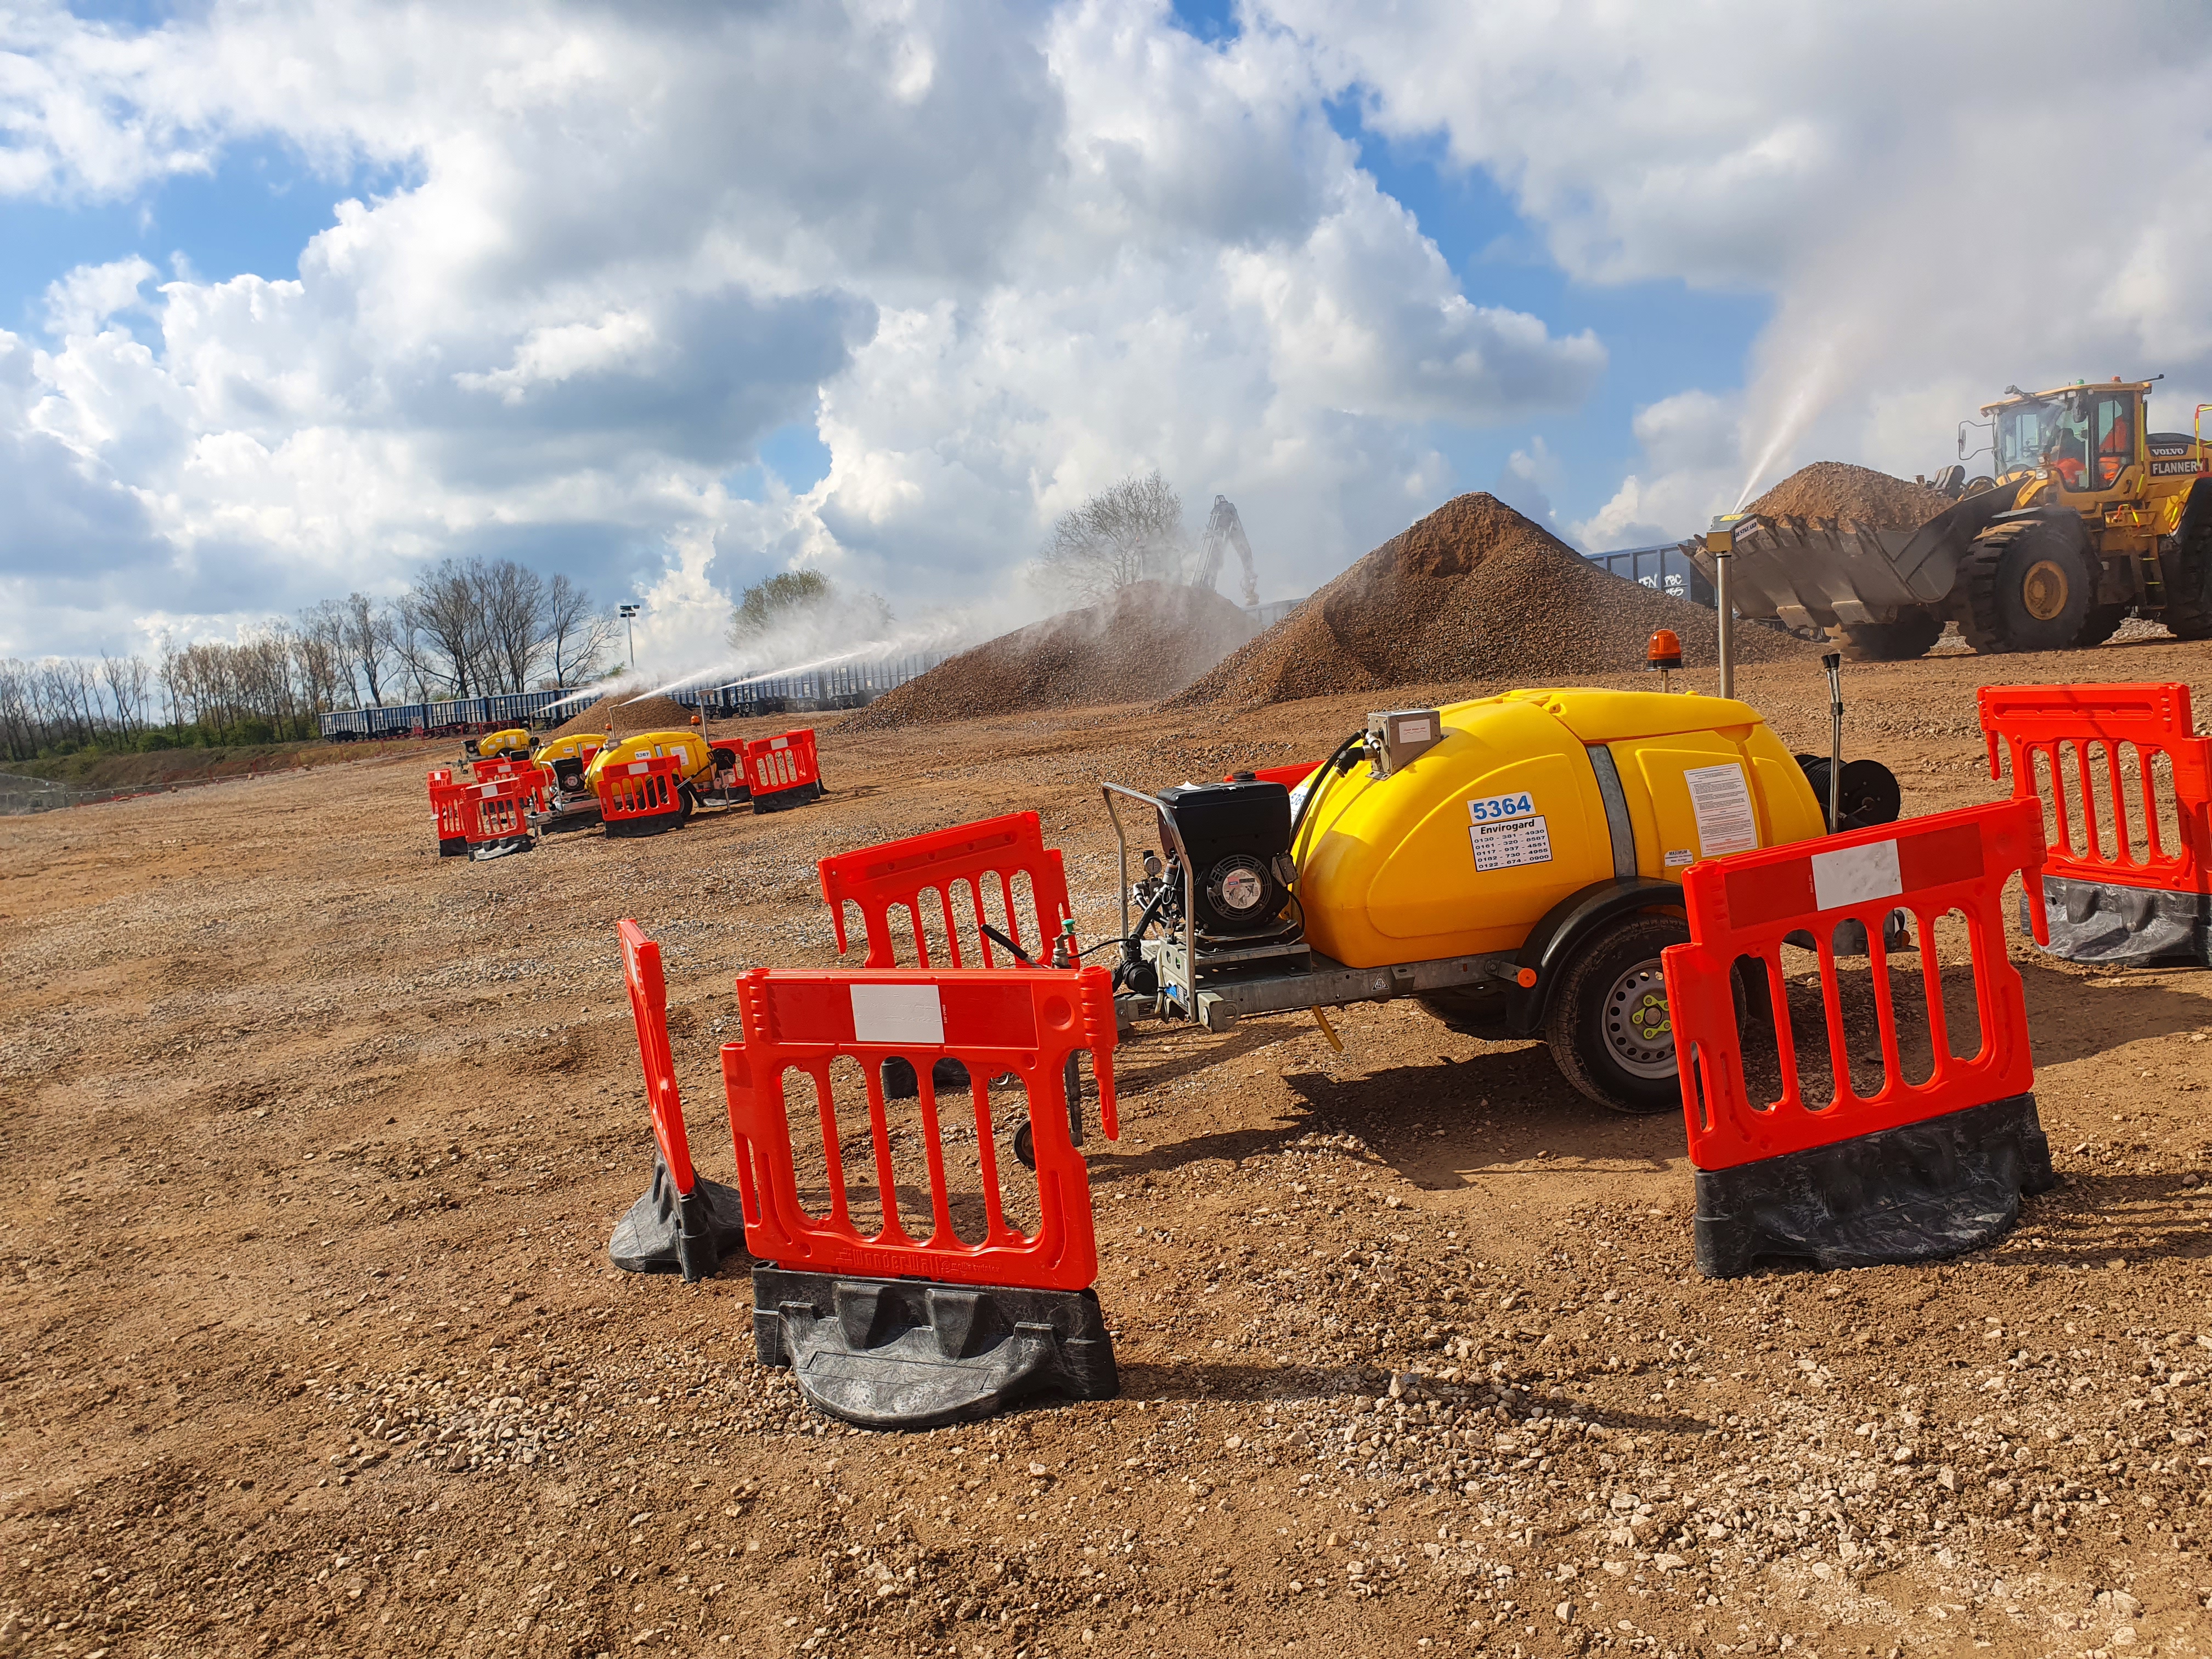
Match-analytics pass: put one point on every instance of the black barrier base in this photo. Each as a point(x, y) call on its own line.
point(782, 800)
point(912, 1353)
point(453, 847)
point(1911, 1194)
point(2101, 921)
point(663, 1233)
point(481, 850)
point(653, 823)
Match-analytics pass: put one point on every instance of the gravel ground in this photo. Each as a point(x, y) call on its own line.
point(312, 1345)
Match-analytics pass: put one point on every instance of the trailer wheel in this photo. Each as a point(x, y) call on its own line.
point(1909, 637)
point(1608, 1024)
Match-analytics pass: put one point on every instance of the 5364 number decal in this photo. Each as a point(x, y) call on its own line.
point(1492, 808)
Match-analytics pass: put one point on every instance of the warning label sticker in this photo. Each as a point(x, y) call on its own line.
point(1721, 800)
point(1510, 842)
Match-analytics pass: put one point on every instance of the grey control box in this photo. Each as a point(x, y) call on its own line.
point(1400, 736)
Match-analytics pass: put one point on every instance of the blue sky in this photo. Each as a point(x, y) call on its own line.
point(669, 301)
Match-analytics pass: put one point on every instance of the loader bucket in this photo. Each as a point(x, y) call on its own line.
point(1817, 573)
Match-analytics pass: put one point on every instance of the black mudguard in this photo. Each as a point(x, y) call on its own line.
point(1562, 930)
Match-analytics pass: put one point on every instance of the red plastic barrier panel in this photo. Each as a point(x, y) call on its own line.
point(499, 811)
point(979, 861)
point(774, 764)
point(1288, 776)
point(813, 1036)
point(1748, 904)
point(2126, 779)
point(1891, 1156)
point(445, 804)
point(649, 1006)
point(492, 768)
point(641, 788)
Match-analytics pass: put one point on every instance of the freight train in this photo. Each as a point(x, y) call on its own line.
point(430, 720)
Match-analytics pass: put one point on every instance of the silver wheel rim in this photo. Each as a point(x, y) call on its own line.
point(1639, 1031)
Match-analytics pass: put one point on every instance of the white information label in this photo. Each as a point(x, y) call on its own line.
point(1680, 855)
point(1491, 809)
point(897, 1014)
point(1510, 842)
point(1852, 875)
point(1721, 800)
point(1413, 731)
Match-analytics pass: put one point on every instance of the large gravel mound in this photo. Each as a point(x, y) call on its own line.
point(1474, 591)
point(1837, 489)
point(1148, 640)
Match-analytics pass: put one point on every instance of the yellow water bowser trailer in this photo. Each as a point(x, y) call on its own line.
point(1514, 861)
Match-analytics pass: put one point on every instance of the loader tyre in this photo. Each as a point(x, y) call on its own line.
point(2188, 611)
point(1901, 641)
point(1610, 1033)
point(2028, 587)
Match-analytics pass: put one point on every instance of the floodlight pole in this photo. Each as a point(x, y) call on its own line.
point(628, 615)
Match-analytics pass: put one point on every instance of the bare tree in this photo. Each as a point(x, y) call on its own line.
point(1131, 532)
point(443, 610)
point(511, 601)
point(575, 634)
point(366, 633)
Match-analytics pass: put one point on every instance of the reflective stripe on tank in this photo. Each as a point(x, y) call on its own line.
point(1616, 810)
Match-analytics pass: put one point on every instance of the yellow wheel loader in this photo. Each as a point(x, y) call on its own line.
point(2086, 518)
point(1514, 862)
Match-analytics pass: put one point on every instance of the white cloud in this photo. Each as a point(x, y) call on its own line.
point(1001, 256)
point(1940, 200)
point(83, 299)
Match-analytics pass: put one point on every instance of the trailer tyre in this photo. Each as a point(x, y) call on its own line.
point(1901, 641)
point(1608, 1024)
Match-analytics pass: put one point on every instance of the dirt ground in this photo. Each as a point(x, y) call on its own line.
point(312, 1345)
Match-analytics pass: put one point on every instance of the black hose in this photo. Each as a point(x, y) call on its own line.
point(1314, 785)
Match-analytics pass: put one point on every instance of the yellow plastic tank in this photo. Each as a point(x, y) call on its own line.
point(1463, 849)
point(576, 746)
point(698, 759)
point(514, 742)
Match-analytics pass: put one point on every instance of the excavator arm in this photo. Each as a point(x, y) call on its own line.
point(1225, 530)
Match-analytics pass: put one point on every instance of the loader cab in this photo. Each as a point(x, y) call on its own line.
point(2087, 437)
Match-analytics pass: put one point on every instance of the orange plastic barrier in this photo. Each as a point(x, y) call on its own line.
point(491, 768)
point(1029, 1021)
point(783, 771)
point(449, 811)
point(1288, 776)
point(975, 858)
point(642, 789)
point(1913, 1169)
point(683, 1224)
point(2077, 733)
point(497, 814)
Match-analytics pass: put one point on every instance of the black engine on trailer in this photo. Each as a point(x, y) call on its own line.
point(1237, 836)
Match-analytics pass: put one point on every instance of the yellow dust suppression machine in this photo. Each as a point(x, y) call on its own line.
point(1513, 862)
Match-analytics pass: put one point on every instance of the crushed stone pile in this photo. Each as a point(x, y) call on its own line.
point(1148, 640)
point(1837, 489)
point(1473, 592)
point(623, 720)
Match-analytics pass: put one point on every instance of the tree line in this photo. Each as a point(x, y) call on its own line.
point(466, 629)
